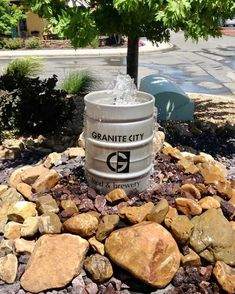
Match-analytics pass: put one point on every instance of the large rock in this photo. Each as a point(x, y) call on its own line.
point(136, 214)
point(49, 223)
point(159, 212)
point(213, 237)
point(30, 175)
point(46, 181)
point(106, 226)
point(146, 250)
point(181, 228)
point(55, 261)
point(46, 204)
point(8, 268)
point(225, 275)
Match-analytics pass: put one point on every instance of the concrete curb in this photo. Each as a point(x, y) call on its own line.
point(54, 53)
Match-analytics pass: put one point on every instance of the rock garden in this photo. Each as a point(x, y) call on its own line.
point(58, 235)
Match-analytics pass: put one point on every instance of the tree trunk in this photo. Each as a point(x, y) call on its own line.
point(133, 58)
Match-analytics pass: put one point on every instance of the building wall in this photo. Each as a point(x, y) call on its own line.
point(35, 23)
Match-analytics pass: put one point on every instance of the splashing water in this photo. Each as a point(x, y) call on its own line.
point(123, 90)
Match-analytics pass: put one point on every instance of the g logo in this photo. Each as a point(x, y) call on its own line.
point(119, 162)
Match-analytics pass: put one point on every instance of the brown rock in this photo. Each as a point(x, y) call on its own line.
point(181, 228)
point(172, 151)
point(170, 216)
point(52, 158)
point(190, 191)
point(156, 264)
point(232, 223)
point(212, 172)
point(25, 190)
point(55, 261)
point(136, 214)
point(6, 247)
point(116, 195)
point(47, 204)
point(159, 212)
point(24, 246)
point(69, 204)
point(3, 189)
point(187, 165)
point(12, 230)
point(30, 175)
point(107, 224)
point(188, 206)
point(29, 227)
point(46, 181)
point(96, 245)
point(15, 177)
point(191, 259)
point(209, 202)
point(21, 210)
point(49, 223)
point(225, 188)
point(225, 275)
point(99, 267)
point(213, 237)
point(8, 268)
point(82, 224)
point(75, 151)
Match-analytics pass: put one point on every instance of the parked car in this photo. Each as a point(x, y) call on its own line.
point(230, 22)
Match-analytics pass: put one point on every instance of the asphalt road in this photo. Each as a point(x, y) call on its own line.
point(206, 67)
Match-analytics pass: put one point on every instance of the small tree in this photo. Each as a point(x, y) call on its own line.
point(82, 20)
point(10, 14)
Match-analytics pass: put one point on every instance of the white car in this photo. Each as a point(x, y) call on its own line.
point(230, 22)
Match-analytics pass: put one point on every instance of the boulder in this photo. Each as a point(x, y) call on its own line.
point(46, 181)
point(225, 275)
point(8, 268)
point(136, 214)
point(213, 237)
point(146, 250)
point(55, 261)
point(30, 175)
point(107, 224)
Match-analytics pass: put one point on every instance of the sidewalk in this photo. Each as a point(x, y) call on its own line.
point(148, 47)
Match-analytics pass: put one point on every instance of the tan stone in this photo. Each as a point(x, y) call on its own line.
point(170, 216)
point(47, 203)
point(225, 275)
point(188, 206)
point(55, 261)
point(8, 268)
point(46, 181)
point(30, 175)
point(25, 190)
point(99, 267)
point(212, 172)
point(68, 204)
point(52, 158)
point(3, 189)
point(191, 259)
point(187, 165)
point(49, 223)
point(81, 140)
point(232, 223)
point(96, 245)
point(136, 214)
point(225, 188)
point(159, 212)
point(116, 195)
point(21, 210)
point(190, 191)
point(107, 224)
point(209, 202)
point(15, 177)
point(158, 140)
point(82, 224)
point(29, 227)
point(24, 246)
point(172, 151)
point(6, 247)
point(181, 228)
point(75, 151)
point(12, 230)
point(156, 264)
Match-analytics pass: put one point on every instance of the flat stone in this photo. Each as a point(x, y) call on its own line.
point(225, 275)
point(188, 206)
point(116, 195)
point(213, 237)
point(107, 224)
point(157, 264)
point(190, 191)
point(12, 230)
point(8, 268)
point(29, 227)
point(46, 204)
point(30, 175)
point(49, 223)
point(46, 181)
point(6, 247)
point(24, 246)
point(99, 267)
point(25, 190)
point(52, 158)
point(136, 214)
point(181, 228)
point(55, 261)
point(191, 259)
point(96, 245)
point(82, 224)
point(21, 210)
point(170, 216)
point(209, 202)
point(159, 212)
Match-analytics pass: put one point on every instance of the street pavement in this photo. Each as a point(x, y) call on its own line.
point(205, 67)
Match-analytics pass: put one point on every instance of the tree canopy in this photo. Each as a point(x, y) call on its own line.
point(81, 21)
point(10, 14)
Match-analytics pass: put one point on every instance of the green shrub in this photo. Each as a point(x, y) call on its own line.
point(14, 43)
point(24, 67)
point(79, 83)
point(33, 106)
point(33, 43)
point(2, 43)
point(95, 43)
